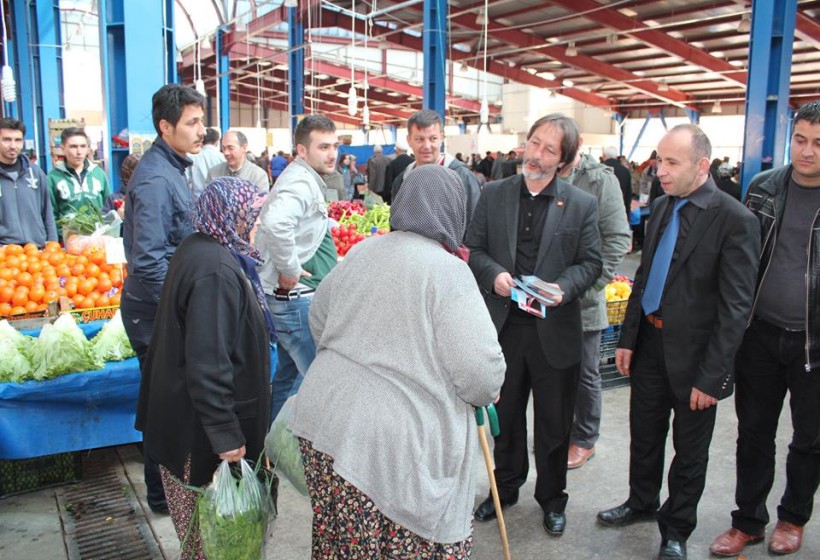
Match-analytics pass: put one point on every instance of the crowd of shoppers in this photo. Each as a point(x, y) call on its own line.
point(219, 268)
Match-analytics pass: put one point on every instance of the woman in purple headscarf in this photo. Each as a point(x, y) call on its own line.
point(205, 394)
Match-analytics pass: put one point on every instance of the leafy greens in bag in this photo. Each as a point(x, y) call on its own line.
point(234, 514)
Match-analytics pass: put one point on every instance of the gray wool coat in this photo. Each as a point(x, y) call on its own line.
point(405, 348)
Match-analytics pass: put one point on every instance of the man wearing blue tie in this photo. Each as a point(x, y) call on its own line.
point(684, 322)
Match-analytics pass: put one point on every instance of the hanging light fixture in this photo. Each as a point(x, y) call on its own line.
point(571, 50)
point(9, 86)
point(663, 85)
point(199, 83)
point(366, 115)
point(353, 98)
point(484, 111)
point(481, 17)
point(717, 108)
point(745, 24)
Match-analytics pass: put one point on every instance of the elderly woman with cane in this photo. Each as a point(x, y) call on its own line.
point(387, 429)
point(205, 395)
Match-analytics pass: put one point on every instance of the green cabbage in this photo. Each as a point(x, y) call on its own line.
point(15, 348)
point(111, 344)
point(62, 348)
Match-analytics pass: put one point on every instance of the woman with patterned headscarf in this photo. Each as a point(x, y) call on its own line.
point(386, 430)
point(205, 394)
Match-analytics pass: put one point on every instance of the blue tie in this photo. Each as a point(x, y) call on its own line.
point(661, 261)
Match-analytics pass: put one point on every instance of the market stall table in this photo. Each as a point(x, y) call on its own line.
point(73, 412)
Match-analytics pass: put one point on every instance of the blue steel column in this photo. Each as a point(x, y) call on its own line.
point(435, 55)
point(694, 116)
point(47, 65)
point(296, 74)
point(171, 76)
point(124, 27)
point(223, 71)
point(767, 89)
point(640, 135)
point(24, 107)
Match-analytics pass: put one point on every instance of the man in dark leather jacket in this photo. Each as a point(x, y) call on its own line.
point(781, 349)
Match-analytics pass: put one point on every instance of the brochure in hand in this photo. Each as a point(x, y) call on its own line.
point(533, 295)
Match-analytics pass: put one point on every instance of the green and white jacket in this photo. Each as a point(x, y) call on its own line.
point(68, 195)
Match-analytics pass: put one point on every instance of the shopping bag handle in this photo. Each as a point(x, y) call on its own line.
point(492, 415)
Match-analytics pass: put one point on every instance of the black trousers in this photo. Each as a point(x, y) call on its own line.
point(138, 317)
point(651, 403)
point(553, 392)
point(770, 362)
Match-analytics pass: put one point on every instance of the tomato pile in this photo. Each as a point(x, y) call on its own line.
point(345, 237)
point(30, 279)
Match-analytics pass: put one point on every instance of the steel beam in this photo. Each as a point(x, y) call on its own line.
point(808, 29)
point(21, 54)
point(640, 135)
point(124, 25)
point(613, 19)
point(223, 72)
point(435, 56)
point(767, 97)
point(296, 65)
point(694, 116)
point(47, 73)
point(536, 44)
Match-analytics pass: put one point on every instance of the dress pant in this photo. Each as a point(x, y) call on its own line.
point(295, 347)
point(587, 424)
point(138, 318)
point(771, 361)
point(651, 403)
point(553, 391)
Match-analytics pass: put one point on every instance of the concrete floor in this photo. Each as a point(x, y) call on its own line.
point(30, 524)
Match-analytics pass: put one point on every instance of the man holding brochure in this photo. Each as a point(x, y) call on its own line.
point(535, 224)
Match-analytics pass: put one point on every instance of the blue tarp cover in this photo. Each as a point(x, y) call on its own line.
point(73, 412)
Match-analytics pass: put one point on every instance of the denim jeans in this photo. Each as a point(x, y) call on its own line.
point(295, 348)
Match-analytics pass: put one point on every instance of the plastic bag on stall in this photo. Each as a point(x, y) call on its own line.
point(282, 448)
point(234, 512)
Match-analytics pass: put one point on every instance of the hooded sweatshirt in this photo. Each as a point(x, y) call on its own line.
point(25, 205)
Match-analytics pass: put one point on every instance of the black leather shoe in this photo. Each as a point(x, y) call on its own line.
point(623, 515)
point(486, 509)
point(672, 550)
point(160, 509)
point(554, 523)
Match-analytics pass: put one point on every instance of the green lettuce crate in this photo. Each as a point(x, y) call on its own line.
point(26, 475)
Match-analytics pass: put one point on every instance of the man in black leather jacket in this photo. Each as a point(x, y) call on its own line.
point(781, 349)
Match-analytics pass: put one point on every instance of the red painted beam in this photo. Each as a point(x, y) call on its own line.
point(589, 64)
point(808, 29)
point(615, 20)
point(334, 19)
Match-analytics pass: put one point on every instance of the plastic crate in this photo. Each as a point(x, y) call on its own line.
point(616, 310)
point(26, 475)
point(609, 341)
point(610, 378)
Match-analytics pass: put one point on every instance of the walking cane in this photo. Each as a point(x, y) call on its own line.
point(488, 460)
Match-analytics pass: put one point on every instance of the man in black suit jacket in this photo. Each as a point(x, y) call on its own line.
point(535, 223)
point(679, 350)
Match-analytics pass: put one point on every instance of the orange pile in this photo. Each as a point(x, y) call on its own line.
point(30, 279)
